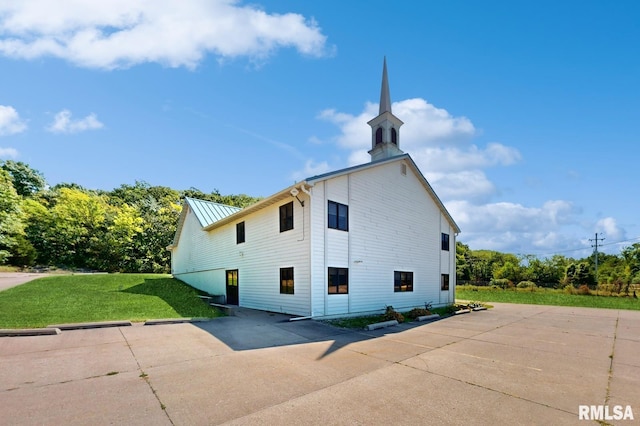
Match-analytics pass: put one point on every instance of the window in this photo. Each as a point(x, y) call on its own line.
point(240, 233)
point(286, 280)
point(286, 217)
point(444, 282)
point(445, 242)
point(402, 281)
point(338, 216)
point(338, 280)
point(378, 135)
point(394, 136)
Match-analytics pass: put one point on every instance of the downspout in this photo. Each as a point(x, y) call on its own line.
point(304, 189)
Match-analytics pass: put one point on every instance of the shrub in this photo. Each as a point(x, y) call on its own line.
point(569, 289)
point(417, 312)
point(527, 284)
point(502, 283)
point(391, 314)
point(584, 290)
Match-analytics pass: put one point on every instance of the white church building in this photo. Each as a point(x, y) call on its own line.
point(348, 242)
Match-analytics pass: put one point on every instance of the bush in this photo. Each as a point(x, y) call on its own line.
point(584, 290)
point(390, 314)
point(569, 289)
point(527, 284)
point(417, 312)
point(502, 283)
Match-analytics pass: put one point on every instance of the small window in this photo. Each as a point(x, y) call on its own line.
point(394, 136)
point(286, 217)
point(240, 233)
point(402, 281)
point(379, 135)
point(445, 242)
point(338, 280)
point(338, 216)
point(444, 282)
point(286, 280)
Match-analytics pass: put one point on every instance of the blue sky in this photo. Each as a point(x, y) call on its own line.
point(524, 116)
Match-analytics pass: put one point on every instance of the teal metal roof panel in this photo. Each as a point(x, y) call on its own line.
point(209, 212)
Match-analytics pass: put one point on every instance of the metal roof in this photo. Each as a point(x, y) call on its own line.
point(209, 212)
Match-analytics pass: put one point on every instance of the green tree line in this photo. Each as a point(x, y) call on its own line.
point(68, 226)
point(487, 267)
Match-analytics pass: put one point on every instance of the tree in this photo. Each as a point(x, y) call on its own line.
point(10, 216)
point(578, 274)
point(26, 181)
point(631, 255)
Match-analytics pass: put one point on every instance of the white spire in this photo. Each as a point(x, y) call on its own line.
point(385, 98)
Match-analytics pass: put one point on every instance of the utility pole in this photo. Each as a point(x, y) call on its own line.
point(596, 252)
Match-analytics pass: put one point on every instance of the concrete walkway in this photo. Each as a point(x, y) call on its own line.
point(12, 279)
point(514, 364)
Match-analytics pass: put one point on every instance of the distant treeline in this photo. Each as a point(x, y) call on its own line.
point(486, 267)
point(68, 226)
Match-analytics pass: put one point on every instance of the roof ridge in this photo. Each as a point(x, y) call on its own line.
point(212, 202)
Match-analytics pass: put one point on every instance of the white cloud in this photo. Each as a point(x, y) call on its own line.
point(425, 125)
point(311, 168)
point(437, 141)
point(10, 122)
point(122, 33)
point(609, 227)
point(62, 123)
point(8, 153)
point(512, 227)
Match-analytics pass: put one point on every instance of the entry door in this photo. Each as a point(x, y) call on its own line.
point(232, 287)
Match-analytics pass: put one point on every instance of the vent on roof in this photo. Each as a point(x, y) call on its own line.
point(403, 169)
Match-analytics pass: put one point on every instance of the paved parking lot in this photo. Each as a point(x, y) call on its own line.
point(514, 364)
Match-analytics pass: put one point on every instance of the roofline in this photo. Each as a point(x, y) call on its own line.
point(310, 182)
point(257, 206)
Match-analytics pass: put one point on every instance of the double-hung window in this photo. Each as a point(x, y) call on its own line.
point(286, 280)
point(444, 282)
point(240, 233)
point(338, 216)
point(286, 217)
point(445, 241)
point(338, 281)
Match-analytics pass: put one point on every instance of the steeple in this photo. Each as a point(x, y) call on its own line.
point(385, 98)
point(385, 137)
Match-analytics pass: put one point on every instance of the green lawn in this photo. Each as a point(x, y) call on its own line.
point(100, 297)
point(544, 297)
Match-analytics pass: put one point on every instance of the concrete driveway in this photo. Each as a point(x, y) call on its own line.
point(514, 364)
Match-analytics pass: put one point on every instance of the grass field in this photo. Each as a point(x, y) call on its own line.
point(100, 297)
point(544, 297)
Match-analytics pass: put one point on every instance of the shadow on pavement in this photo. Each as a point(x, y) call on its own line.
point(252, 329)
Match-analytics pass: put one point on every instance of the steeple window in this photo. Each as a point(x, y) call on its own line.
point(379, 135)
point(394, 136)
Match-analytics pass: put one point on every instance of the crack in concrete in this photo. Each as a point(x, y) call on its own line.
point(145, 377)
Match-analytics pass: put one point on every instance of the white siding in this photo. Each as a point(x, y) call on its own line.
point(394, 225)
point(200, 256)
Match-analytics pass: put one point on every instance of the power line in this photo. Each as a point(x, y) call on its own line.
point(584, 248)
